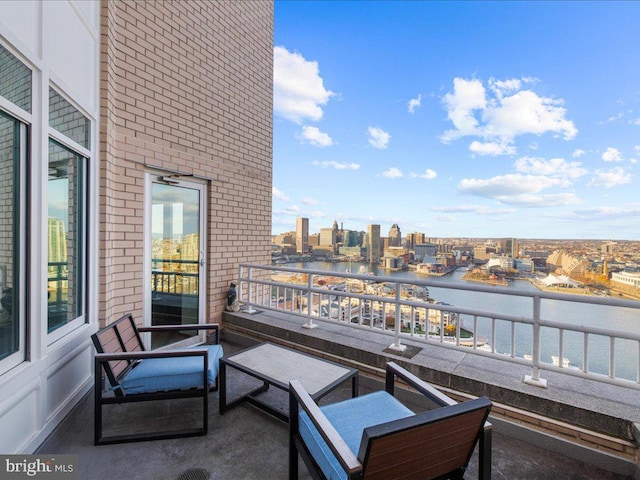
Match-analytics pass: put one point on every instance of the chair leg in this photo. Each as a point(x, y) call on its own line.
point(293, 430)
point(484, 454)
point(97, 403)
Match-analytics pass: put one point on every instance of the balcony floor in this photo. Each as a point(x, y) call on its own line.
point(246, 443)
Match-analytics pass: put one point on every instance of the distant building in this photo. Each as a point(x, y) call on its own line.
point(373, 244)
point(302, 235)
point(395, 236)
point(414, 239)
point(510, 247)
point(630, 279)
point(425, 250)
point(327, 237)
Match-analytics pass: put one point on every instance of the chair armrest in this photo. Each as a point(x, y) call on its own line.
point(141, 355)
point(421, 386)
point(170, 328)
point(338, 447)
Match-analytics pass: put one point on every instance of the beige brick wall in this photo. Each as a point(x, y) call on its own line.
point(186, 86)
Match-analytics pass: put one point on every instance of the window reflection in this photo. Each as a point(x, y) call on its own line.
point(15, 80)
point(67, 119)
point(9, 218)
point(66, 236)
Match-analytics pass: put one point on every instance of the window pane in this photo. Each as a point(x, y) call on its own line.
point(66, 236)
point(66, 119)
point(9, 251)
point(15, 80)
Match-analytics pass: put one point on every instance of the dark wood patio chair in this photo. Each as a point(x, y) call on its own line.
point(376, 437)
point(135, 374)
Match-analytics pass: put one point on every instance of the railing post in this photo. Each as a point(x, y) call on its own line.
point(396, 345)
point(534, 379)
point(309, 323)
point(250, 308)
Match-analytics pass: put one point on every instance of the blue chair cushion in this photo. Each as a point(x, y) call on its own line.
point(174, 373)
point(349, 418)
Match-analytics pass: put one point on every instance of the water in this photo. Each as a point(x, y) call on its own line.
point(617, 318)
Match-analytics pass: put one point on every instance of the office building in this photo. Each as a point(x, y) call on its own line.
point(302, 235)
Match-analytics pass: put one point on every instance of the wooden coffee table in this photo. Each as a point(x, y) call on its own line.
point(276, 365)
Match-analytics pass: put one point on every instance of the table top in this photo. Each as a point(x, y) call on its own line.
point(280, 365)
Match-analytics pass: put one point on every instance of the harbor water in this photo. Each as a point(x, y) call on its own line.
point(610, 317)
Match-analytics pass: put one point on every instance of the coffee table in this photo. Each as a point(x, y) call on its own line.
point(277, 365)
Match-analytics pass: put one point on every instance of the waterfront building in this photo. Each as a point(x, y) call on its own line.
point(327, 237)
point(395, 236)
point(373, 244)
point(425, 250)
point(630, 279)
point(501, 262)
point(569, 264)
point(126, 121)
point(302, 235)
point(314, 240)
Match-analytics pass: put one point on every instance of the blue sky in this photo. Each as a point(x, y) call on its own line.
point(458, 119)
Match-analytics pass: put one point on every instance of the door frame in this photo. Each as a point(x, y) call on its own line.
point(177, 180)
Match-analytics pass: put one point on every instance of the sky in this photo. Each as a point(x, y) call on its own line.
point(458, 119)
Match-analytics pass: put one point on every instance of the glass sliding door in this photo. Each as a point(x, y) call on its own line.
point(177, 258)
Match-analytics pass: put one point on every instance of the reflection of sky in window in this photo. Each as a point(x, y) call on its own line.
point(59, 200)
point(184, 205)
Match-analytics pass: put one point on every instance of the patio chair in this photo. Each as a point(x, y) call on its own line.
point(138, 375)
point(376, 437)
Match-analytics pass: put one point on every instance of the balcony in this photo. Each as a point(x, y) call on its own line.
point(581, 426)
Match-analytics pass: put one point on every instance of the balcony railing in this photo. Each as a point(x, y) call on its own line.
point(393, 306)
point(174, 276)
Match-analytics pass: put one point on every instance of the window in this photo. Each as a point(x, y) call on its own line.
point(15, 80)
point(11, 249)
point(66, 216)
point(15, 87)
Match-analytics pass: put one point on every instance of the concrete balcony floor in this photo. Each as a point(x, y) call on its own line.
point(247, 443)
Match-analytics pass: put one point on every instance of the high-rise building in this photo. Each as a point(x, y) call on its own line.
point(302, 235)
point(57, 240)
point(414, 239)
point(510, 247)
point(395, 236)
point(327, 237)
point(373, 244)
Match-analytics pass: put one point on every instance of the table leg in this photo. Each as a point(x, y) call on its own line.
point(223, 387)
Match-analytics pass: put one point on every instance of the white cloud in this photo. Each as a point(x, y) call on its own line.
point(292, 210)
point(577, 153)
point(556, 167)
point(467, 96)
point(309, 201)
point(315, 137)
point(637, 149)
point(279, 194)
point(298, 89)
point(526, 112)
point(427, 175)
point(414, 103)
point(502, 114)
point(393, 172)
point(610, 178)
point(612, 155)
point(636, 121)
point(606, 213)
point(517, 189)
point(475, 209)
point(378, 138)
point(492, 148)
point(336, 165)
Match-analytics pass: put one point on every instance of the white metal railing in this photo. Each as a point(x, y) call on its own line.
point(392, 306)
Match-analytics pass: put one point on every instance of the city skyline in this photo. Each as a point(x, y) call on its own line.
point(478, 119)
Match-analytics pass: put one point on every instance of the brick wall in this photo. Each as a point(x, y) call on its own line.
point(185, 86)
